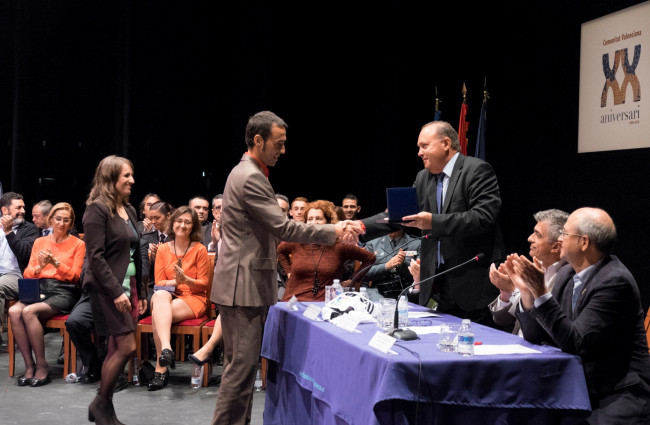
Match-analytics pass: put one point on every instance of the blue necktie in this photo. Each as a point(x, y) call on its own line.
point(440, 179)
point(576, 291)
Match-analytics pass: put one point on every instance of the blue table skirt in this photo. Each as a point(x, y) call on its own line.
point(321, 374)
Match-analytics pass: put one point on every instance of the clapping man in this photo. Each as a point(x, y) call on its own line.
point(593, 311)
point(544, 246)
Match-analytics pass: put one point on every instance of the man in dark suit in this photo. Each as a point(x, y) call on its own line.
point(465, 224)
point(593, 311)
point(16, 241)
point(245, 282)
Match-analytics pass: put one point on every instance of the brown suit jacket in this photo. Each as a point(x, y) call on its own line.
point(251, 220)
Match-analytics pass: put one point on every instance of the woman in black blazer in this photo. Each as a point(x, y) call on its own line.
point(113, 275)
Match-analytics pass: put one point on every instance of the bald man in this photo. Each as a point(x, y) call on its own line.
point(594, 311)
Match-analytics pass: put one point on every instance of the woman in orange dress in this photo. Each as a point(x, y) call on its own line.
point(182, 266)
point(56, 260)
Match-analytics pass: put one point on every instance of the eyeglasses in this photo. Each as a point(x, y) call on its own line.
point(60, 219)
point(563, 233)
point(185, 222)
point(217, 208)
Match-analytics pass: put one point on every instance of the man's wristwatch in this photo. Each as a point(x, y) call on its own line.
point(56, 263)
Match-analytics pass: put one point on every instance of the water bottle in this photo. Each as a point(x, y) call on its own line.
point(337, 288)
point(197, 376)
point(363, 292)
point(71, 378)
point(403, 309)
point(136, 372)
point(258, 380)
point(465, 345)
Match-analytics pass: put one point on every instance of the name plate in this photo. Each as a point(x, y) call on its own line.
point(345, 321)
point(312, 312)
point(382, 342)
point(291, 304)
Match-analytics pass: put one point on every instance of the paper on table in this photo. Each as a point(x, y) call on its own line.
point(486, 349)
point(421, 314)
point(423, 330)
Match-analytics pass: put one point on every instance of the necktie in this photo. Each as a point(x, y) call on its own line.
point(440, 179)
point(46, 232)
point(393, 243)
point(162, 238)
point(577, 283)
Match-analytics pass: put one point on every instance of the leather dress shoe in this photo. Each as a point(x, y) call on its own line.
point(159, 381)
point(93, 374)
point(24, 382)
point(41, 382)
point(166, 357)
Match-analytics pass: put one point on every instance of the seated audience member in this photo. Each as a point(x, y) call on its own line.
point(145, 225)
point(202, 208)
point(311, 267)
point(351, 207)
point(40, 212)
point(181, 263)
point(390, 274)
point(56, 260)
point(298, 208)
point(16, 240)
point(159, 214)
point(283, 202)
point(593, 311)
point(545, 247)
point(215, 233)
point(203, 354)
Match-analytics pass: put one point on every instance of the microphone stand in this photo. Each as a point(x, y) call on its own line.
point(407, 334)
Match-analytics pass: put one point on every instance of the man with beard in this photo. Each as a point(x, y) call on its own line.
point(16, 240)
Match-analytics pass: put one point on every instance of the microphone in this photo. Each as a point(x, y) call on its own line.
point(407, 334)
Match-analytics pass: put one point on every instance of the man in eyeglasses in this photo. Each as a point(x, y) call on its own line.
point(544, 246)
point(593, 311)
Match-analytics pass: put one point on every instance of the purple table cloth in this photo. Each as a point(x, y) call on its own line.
point(322, 374)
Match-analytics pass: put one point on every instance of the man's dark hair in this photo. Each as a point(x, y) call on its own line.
point(7, 199)
point(261, 123)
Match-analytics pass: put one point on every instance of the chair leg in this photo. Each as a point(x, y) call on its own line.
point(11, 347)
point(66, 352)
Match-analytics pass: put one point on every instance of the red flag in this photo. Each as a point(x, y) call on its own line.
point(463, 125)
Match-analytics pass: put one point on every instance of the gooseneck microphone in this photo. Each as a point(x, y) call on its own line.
point(407, 334)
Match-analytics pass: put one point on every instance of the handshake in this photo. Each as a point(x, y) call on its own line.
point(349, 230)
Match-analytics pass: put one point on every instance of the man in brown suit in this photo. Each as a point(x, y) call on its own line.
point(245, 275)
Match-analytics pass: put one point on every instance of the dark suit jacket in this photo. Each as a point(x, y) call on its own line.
point(108, 251)
point(605, 330)
point(467, 226)
point(22, 241)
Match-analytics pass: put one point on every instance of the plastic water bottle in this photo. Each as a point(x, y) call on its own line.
point(71, 378)
point(465, 345)
point(258, 380)
point(403, 310)
point(197, 376)
point(363, 292)
point(337, 288)
point(136, 372)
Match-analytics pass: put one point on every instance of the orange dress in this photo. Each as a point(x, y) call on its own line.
point(195, 264)
point(70, 254)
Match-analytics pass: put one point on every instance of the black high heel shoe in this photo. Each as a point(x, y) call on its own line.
point(192, 358)
point(24, 382)
point(166, 358)
point(159, 381)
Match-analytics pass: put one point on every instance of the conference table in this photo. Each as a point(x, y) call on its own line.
point(319, 373)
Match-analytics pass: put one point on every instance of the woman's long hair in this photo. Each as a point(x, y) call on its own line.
point(106, 176)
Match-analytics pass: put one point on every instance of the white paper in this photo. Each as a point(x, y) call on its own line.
point(345, 321)
point(423, 330)
point(312, 312)
point(422, 314)
point(487, 349)
point(382, 342)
